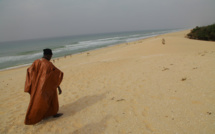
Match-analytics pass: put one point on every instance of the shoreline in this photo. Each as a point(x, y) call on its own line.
point(27, 64)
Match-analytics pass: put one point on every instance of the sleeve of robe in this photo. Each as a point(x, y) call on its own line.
point(28, 79)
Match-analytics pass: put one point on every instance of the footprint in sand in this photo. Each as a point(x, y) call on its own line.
point(73, 92)
point(76, 96)
point(148, 126)
point(145, 112)
point(120, 100)
point(134, 110)
point(117, 119)
point(77, 124)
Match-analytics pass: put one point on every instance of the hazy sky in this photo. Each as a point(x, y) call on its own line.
point(27, 19)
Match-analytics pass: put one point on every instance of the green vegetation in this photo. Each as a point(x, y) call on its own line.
point(203, 33)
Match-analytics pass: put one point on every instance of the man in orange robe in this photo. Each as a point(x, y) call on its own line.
point(42, 81)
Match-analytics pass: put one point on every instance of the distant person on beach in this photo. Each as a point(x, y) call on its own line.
point(42, 81)
point(163, 41)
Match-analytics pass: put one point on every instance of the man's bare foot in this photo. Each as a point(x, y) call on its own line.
point(57, 115)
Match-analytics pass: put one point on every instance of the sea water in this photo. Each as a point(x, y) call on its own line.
point(19, 53)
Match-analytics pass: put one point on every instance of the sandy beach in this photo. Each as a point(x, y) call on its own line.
point(141, 87)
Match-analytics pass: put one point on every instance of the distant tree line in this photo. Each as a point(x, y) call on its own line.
point(203, 33)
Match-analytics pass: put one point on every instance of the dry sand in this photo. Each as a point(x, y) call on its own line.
point(143, 87)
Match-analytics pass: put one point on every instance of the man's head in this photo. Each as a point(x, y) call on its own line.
point(47, 53)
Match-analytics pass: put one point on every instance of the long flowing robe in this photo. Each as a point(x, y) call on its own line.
point(42, 81)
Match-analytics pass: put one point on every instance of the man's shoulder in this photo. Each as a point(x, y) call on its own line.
point(37, 60)
point(45, 63)
point(41, 60)
point(41, 63)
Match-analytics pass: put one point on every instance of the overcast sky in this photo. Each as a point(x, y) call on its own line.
point(28, 19)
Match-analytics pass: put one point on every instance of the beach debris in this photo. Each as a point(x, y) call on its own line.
point(165, 68)
point(120, 100)
point(183, 79)
point(88, 54)
point(163, 41)
point(203, 53)
point(195, 68)
point(209, 113)
point(113, 98)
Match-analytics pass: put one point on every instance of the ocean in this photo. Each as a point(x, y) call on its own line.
point(19, 53)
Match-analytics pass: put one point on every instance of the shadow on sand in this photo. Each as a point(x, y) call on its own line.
point(72, 108)
point(80, 104)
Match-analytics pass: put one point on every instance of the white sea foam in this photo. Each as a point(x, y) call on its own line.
point(15, 67)
point(17, 58)
point(91, 43)
point(139, 38)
